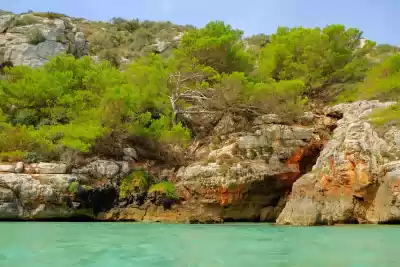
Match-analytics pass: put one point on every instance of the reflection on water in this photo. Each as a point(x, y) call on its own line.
point(233, 245)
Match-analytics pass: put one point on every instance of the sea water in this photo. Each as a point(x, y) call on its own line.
point(162, 245)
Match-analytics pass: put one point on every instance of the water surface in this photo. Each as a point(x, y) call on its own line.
point(160, 245)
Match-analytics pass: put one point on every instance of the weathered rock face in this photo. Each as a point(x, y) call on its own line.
point(31, 40)
point(36, 196)
point(324, 169)
point(356, 177)
point(45, 191)
point(247, 175)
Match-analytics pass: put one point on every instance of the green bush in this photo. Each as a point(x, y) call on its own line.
point(49, 15)
point(4, 12)
point(32, 157)
point(24, 21)
point(316, 56)
point(387, 115)
point(217, 45)
point(72, 103)
point(138, 181)
point(73, 187)
point(35, 36)
point(12, 156)
point(167, 188)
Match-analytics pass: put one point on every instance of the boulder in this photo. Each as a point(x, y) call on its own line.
point(19, 167)
point(100, 169)
point(51, 168)
point(7, 168)
point(268, 119)
point(131, 152)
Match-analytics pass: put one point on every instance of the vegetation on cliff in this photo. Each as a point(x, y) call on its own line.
point(383, 83)
point(73, 104)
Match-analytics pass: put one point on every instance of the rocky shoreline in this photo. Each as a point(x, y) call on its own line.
point(324, 169)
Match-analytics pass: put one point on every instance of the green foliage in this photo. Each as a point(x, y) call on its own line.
point(384, 116)
point(167, 188)
point(382, 51)
point(12, 156)
point(32, 157)
point(224, 169)
point(283, 97)
point(382, 82)
point(87, 187)
point(4, 12)
point(24, 20)
point(217, 45)
point(35, 36)
point(138, 181)
point(73, 187)
point(49, 15)
point(126, 38)
point(71, 103)
point(316, 56)
point(126, 25)
point(258, 40)
point(238, 93)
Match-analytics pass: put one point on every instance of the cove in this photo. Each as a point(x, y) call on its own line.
point(50, 244)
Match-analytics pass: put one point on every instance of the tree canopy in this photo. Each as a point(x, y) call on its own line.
point(316, 56)
point(72, 104)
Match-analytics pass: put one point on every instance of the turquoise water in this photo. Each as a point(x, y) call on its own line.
point(235, 245)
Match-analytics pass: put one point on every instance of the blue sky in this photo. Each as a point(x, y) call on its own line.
point(377, 18)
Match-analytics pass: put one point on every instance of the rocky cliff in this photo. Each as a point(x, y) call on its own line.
point(30, 39)
point(333, 167)
point(356, 177)
point(243, 171)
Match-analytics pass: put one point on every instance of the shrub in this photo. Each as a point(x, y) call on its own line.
point(211, 160)
point(217, 45)
point(224, 169)
point(383, 116)
point(216, 140)
point(49, 15)
point(317, 57)
point(167, 188)
point(73, 187)
point(72, 103)
point(112, 55)
point(4, 12)
point(87, 187)
point(24, 20)
point(32, 157)
point(35, 36)
point(139, 180)
point(12, 156)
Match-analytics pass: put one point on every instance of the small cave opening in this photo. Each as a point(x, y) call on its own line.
point(309, 158)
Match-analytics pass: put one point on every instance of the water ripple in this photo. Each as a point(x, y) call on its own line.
point(160, 245)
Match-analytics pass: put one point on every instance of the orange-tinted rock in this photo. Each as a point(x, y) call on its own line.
point(343, 185)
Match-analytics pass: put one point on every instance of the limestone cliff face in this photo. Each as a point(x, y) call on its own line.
point(243, 171)
point(356, 177)
point(31, 40)
point(46, 191)
point(325, 168)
